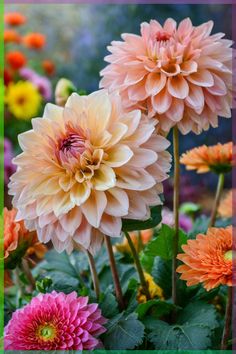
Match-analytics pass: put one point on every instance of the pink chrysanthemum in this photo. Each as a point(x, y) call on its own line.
point(179, 75)
point(55, 321)
point(84, 168)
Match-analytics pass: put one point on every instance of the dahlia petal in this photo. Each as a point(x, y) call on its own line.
point(118, 156)
point(79, 193)
point(131, 120)
point(72, 220)
point(176, 110)
point(82, 236)
point(155, 83)
point(170, 25)
point(142, 158)
point(134, 179)
point(162, 101)
point(137, 92)
point(178, 87)
point(104, 178)
point(96, 241)
point(62, 203)
point(189, 67)
point(99, 111)
point(53, 112)
point(185, 27)
point(202, 78)
point(110, 225)
point(94, 207)
point(219, 87)
point(117, 202)
point(195, 98)
point(117, 133)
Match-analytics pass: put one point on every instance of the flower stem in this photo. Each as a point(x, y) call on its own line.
point(176, 211)
point(228, 315)
point(138, 266)
point(28, 274)
point(217, 199)
point(114, 271)
point(94, 274)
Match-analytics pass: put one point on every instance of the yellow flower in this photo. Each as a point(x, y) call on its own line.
point(154, 290)
point(23, 99)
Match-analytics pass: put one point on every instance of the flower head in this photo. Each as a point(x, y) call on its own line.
point(139, 239)
point(48, 67)
point(185, 222)
point(217, 158)
point(11, 36)
point(208, 259)
point(34, 41)
point(18, 241)
point(85, 167)
point(23, 99)
point(55, 321)
point(226, 206)
point(27, 73)
point(16, 60)
point(44, 86)
point(9, 168)
point(179, 75)
point(14, 19)
point(64, 89)
point(154, 290)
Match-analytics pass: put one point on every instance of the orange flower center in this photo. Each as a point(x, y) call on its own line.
point(162, 36)
point(21, 100)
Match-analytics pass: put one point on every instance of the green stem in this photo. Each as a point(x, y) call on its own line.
point(114, 272)
point(228, 315)
point(28, 274)
point(94, 274)
point(138, 266)
point(176, 211)
point(219, 190)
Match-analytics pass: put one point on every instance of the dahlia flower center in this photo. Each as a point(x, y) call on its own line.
point(228, 256)
point(74, 143)
point(162, 36)
point(21, 100)
point(46, 332)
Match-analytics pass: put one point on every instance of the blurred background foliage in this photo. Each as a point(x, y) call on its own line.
point(78, 34)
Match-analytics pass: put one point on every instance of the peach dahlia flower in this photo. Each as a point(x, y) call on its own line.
point(179, 75)
point(86, 166)
point(208, 259)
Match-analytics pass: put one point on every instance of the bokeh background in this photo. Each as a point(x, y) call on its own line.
point(77, 37)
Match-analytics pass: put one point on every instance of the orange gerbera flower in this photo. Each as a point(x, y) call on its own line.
point(48, 67)
point(208, 259)
point(138, 240)
point(217, 158)
point(34, 40)
point(16, 60)
point(14, 19)
point(225, 209)
point(18, 241)
point(11, 36)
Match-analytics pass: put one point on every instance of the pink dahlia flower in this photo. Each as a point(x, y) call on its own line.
point(86, 166)
point(179, 75)
point(55, 321)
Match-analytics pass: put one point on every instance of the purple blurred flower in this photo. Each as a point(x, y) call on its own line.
point(43, 85)
point(185, 222)
point(9, 168)
point(28, 74)
point(41, 82)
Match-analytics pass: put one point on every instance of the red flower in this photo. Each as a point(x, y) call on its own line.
point(7, 77)
point(16, 60)
point(34, 41)
point(48, 67)
point(14, 19)
point(11, 36)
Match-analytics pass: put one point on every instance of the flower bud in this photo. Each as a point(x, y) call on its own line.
point(64, 89)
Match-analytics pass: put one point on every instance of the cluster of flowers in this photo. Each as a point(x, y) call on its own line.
point(25, 89)
point(95, 160)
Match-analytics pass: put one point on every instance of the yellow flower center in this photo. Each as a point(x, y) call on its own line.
point(46, 332)
point(228, 256)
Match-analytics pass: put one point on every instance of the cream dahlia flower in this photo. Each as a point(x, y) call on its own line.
point(85, 167)
point(179, 75)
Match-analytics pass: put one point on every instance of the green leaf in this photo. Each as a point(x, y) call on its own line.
point(159, 307)
point(162, 274)
point(108, 305)
point(126, 333)
point(193, 330)
point(134, 225)
point(162, 245)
